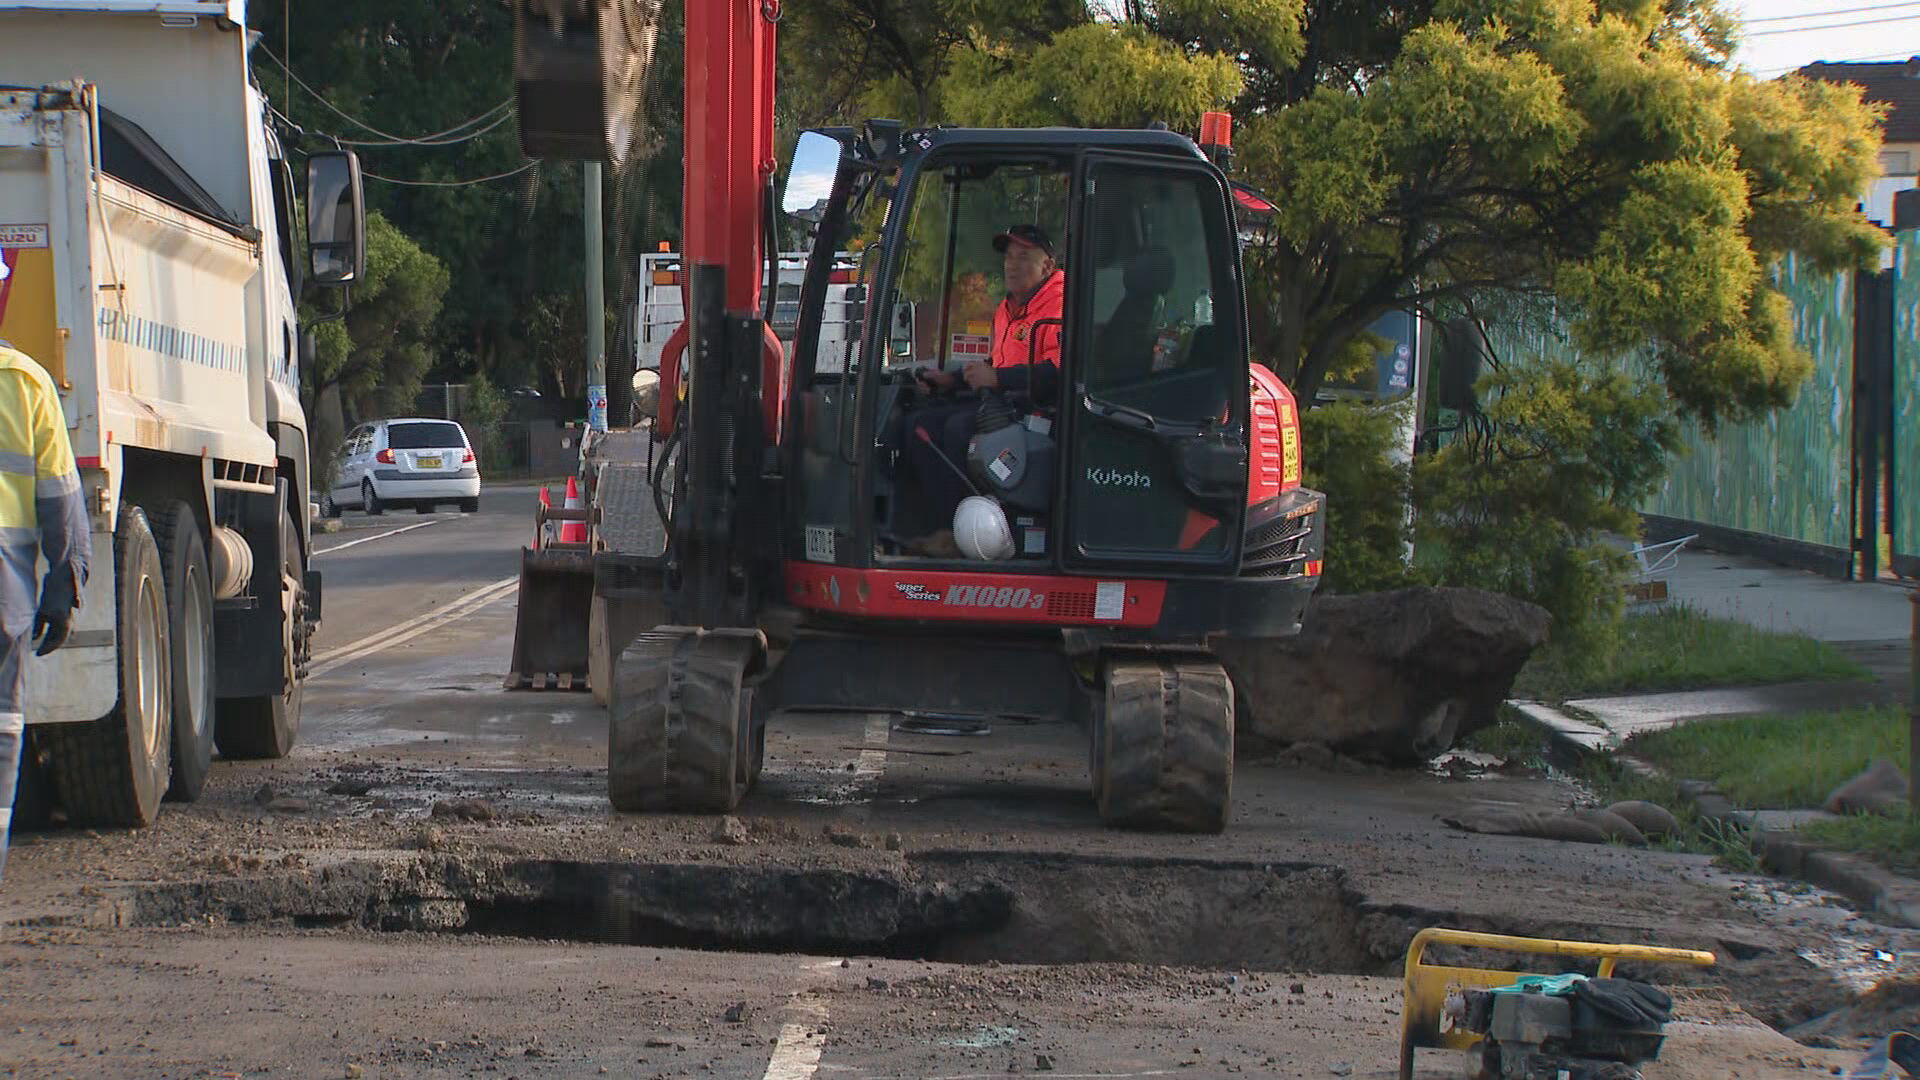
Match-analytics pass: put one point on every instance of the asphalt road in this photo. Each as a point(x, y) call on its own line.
point(298, 901)
point(380, 571)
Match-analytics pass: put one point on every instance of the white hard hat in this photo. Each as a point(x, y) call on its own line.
point(980, 529)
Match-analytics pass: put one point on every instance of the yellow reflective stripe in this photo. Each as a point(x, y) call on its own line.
point(32, 426)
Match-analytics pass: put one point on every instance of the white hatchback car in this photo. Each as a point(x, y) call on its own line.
point(405, 462)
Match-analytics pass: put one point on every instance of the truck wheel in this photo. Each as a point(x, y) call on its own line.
point(1163, 750)
point(183, 557)
point(265, 727)
point(369, 501)
point(113, 771)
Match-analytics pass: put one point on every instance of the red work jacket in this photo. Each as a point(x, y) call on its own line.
point(1013, 327)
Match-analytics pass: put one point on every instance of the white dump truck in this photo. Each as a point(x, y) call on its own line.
point(151, 266)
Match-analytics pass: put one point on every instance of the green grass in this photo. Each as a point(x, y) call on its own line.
point(1678, 648)
point(1891, 841)
point(1790, 760)
point(1509, 739)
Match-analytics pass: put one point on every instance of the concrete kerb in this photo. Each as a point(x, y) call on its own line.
point(1871, 888)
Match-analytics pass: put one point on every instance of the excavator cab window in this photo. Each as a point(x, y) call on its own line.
point(950, 273)
point(950, 276)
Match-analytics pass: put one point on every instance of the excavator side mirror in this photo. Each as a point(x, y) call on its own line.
point(901, 344)
point(816, 164)
point(336, 218)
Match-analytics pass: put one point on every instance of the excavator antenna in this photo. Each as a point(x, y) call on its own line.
point(580, 71)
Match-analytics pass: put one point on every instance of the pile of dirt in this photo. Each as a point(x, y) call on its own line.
point(1892, 1005)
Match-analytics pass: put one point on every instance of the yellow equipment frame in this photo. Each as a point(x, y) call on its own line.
point(1425, 993)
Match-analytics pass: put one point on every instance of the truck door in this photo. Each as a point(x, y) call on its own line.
point(1156, 472)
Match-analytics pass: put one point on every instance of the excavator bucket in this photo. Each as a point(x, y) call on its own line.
point(550, 630)
point(580, 73)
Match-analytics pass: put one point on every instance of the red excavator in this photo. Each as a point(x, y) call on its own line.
point(1131, 485)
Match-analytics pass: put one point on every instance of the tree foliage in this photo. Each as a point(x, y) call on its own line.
point(1599, 151)
point(1348, 450)
point(376, 356)
point(1523, 504)
point(513, 247)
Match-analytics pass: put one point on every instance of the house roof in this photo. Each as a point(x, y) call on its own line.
point(1895, 83)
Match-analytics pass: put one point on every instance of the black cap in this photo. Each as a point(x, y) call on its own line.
point(1028, 235)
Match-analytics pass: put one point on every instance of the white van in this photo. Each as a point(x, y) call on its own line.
point(405, 462)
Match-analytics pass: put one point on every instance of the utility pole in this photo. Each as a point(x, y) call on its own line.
point(596, 308)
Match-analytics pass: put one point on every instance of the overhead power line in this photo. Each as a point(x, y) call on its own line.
point(505, 114)
point(449, 183)
point(438, 138)
point(1833, 26)
point(1836, 11)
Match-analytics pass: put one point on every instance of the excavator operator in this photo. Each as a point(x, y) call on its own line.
point(1026, 325)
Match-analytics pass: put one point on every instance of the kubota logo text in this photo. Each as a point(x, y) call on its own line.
point(1117, 478)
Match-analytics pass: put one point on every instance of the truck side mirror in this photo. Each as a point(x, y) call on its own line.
point(336, 218)
point(816, 164)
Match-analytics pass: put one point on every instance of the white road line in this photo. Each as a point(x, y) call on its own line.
point(796, 1055)
point(376, 536)
point(803, 1038)
point(872, 762)
point(412, 628)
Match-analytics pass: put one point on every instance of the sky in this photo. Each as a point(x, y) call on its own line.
point(1781, 35)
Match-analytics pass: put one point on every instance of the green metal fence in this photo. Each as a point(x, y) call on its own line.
point(1906, 402)
point(1788, 475)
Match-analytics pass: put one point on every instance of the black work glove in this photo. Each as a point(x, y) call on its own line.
point(54, 618)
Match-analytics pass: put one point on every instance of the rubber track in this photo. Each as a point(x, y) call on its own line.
point(1165, 750)
point(92, 763)
point(674, 722)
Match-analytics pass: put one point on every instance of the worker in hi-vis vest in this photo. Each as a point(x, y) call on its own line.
point(41, 512)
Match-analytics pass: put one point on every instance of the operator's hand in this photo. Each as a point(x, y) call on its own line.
point(50, 629)
point(54, 618)
point(939, 379)
point(980, 375)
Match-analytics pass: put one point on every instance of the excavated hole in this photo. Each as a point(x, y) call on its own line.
point(961, 908)
point(956, 907)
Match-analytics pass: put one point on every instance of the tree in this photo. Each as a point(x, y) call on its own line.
point(508, 230)
point(1428, 151)
point(375, 357)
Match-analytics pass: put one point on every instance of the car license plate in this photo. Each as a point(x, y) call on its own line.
point(429, 462)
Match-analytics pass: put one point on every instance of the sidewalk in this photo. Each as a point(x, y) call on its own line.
point(1871, 622)
point(1777, 598)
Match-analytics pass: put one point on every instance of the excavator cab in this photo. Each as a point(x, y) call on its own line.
point(1116, 429)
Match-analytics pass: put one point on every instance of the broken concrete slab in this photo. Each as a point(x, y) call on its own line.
point(1395, 677)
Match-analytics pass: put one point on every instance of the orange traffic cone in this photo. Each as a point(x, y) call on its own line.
point(573, 532)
